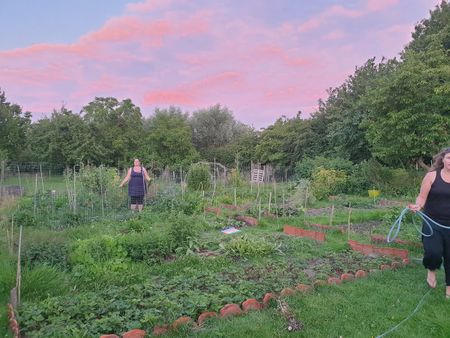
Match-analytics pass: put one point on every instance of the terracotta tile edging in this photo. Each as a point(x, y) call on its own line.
point(299, 232)
point(368, 249)
point(13, 322)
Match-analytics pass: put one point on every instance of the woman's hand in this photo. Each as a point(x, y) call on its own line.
point(414, 207)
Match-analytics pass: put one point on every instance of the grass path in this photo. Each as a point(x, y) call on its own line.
point(363, 308)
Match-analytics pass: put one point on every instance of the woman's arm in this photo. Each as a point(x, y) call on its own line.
point(126, 179)
point(147, 177)
point(424, 190)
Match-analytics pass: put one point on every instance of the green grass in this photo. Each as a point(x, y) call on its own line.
point(7, 281)
point(363, 308)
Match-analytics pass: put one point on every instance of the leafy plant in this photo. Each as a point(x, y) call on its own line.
point(199, 177)
point(326, 182)
point(246, 246)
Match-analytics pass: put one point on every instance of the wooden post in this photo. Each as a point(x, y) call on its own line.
point(20, 180)
point(270, 200)
point(19, 272)
point(331, 215)
point(11, 241)
point(259, 210)
point(348, 220)
point(42, 178)
point(181, 183)
point(101, 191)
point(74, 191)
point(35, 195)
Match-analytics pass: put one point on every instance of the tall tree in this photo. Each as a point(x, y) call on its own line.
point(410, 106)
point(64, 138)
point(283, 143)
point(214, 127)
point(13, 128)
point(168, 140)
point(117, 127)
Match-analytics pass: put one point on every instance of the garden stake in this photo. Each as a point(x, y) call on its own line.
point(284, 207)
point(348, 221)
point(275, 191)
point(12, 234)
point(331, 215)
point(306, 198)
point(35, 195)
point(181, 183)
point(259, 210)
point(74, 191)
point(20, 182)
point(270, 200)
point(42, 179)
point(101, 191)
point(19, 272)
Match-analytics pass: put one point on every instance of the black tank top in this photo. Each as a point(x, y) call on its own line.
point(437, 205)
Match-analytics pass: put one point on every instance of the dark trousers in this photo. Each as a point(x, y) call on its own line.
point(436, 248)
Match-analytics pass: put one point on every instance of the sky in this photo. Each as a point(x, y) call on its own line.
point(260, 58)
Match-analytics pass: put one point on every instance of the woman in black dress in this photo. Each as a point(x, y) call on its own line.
point(434, 198)
point(136, 177)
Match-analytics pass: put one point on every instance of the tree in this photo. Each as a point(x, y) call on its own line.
point(168, 140)
point(283, 143)
point(64, 139)
point(214, 127)
point(117, 127)
point(410, 106)
point(14, 125)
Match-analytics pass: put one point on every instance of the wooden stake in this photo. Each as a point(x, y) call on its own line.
point(331, 215)
point(259, 210)
point(348, 220)
point(42, 178)
point(270, 200)
point(35, 195)
point(20, 181)
point(74, 192)
point(19, 272)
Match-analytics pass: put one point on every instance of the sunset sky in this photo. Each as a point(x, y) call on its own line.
point(260, 58)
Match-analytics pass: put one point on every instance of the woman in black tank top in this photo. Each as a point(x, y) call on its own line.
point(434, 197)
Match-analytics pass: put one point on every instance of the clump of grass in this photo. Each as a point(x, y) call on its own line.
point(43, 281)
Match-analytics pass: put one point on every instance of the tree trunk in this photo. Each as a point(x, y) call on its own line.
point(422, 164)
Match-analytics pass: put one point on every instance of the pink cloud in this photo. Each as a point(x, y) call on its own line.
point(379, 5)
point(329, 13)
point(147, 6)
point(334, 35)
point(171, 97)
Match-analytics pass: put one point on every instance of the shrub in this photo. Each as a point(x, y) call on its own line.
point(97, 257)
point(51, 253)
point(181, 230)
point(169, 201)
point(306, 167)
point(148, 247)
point(327, 182)
point(199, 177)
